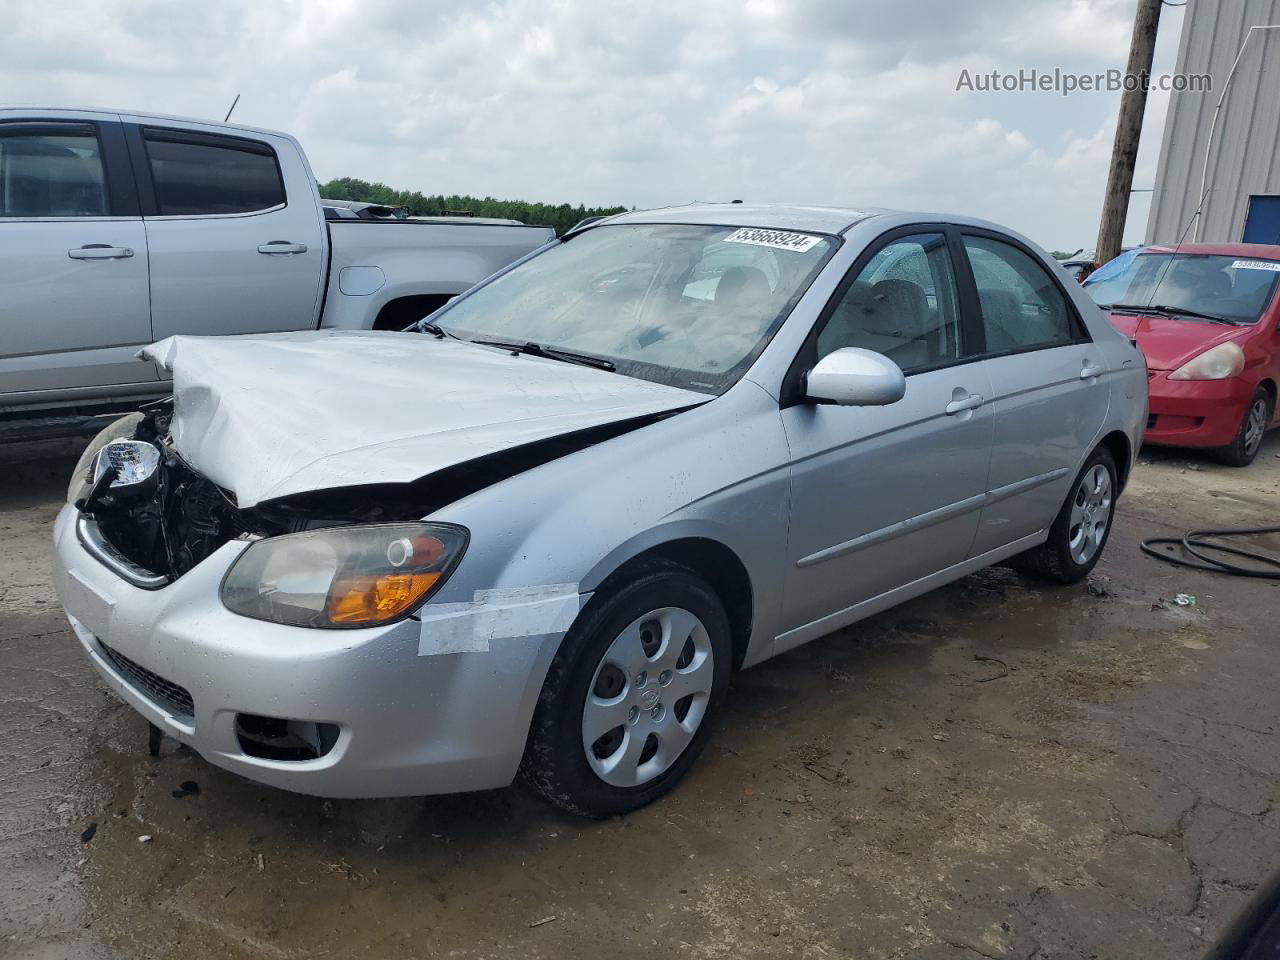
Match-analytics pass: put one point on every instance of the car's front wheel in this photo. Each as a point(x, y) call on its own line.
point(1081, 529)
point(630, 698)
point(1241, 451)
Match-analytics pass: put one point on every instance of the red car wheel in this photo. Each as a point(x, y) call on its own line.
point(1257, 417)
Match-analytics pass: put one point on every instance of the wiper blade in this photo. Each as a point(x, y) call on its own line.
point(550, 353)
point(1184, 312)
point(1170, 311)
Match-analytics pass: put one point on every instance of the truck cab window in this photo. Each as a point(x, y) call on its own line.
point(199, 175)
point(49, 173)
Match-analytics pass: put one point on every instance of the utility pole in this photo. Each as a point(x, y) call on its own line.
point(1124, 152)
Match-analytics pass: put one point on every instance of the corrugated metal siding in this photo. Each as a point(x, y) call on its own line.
point(1245, 158)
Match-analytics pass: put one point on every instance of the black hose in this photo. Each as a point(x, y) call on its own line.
point(1193, 542)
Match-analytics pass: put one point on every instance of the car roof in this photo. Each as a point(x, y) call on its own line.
point(778, 216)
point(39, 108)
point(1269, 251)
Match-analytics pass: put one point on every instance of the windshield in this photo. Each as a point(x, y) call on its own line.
point(688, 306)
point(1235, 288)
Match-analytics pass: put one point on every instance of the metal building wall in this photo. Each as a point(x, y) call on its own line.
point(1245, 156)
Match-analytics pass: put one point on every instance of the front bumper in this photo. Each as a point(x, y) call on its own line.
point(1195, 413)
point(409, 725)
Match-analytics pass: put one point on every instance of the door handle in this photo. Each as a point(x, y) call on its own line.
point(276, 247)
point(969, 401)
point(1090, 370)
point(99, 251)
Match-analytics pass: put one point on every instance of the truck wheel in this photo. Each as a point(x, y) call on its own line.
point(1080, 531)
point(1257, 417)
point(630, 698)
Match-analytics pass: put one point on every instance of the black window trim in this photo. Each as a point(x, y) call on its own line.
point(137, 134)
point(122, 191)
point(793, 383)
point(967, 280)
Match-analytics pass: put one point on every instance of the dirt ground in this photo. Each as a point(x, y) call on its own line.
point(999, 769)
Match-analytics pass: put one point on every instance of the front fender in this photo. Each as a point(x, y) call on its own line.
point(719, 471)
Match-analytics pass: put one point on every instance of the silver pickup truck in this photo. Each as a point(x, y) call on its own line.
point(119, 229)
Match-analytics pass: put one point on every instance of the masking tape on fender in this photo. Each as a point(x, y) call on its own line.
point(497, 614)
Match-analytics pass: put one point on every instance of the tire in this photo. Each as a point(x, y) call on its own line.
point(611, 775)
point(1061, 557)
point(1253, 426)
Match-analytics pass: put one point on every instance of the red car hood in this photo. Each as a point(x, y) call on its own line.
point(1167, 342)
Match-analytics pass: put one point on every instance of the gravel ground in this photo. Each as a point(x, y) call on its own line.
point(1000, 769)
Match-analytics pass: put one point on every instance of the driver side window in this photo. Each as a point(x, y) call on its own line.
point(902, 304)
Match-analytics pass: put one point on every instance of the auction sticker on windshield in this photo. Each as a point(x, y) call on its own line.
point(1256, 265)
point(778, 239)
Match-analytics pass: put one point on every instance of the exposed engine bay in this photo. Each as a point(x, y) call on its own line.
point(174, 520)
point(177, 518)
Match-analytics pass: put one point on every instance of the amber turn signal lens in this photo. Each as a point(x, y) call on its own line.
point(354, 576)
point(373, 599)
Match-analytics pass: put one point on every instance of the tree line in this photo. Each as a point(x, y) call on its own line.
point(561, 216)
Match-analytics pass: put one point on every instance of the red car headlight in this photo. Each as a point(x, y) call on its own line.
point(1217, 363)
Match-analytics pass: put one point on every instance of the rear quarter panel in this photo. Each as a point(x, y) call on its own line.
point(1126, 372)
point(417, 259)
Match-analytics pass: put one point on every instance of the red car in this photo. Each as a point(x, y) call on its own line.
point(1207, 319)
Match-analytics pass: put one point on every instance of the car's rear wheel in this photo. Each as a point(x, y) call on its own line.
point(630, 698)
point(1080, 531)
point(1257, 417)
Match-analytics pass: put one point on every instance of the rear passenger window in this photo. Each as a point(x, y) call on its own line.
point(1022, 308)
point(51, 170)
point(199, 175)
point(902, 304)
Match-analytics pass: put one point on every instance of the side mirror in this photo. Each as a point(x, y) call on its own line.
point(854, 377)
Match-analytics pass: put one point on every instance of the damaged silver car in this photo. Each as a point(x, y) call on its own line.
point(538, 532)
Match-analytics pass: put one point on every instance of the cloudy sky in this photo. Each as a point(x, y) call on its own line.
point(636, 103)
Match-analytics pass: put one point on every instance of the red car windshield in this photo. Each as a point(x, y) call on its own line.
point(1234, 288)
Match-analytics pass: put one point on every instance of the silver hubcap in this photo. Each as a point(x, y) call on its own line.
point(1090, 514)
point(648, 697)
point(1255, 426)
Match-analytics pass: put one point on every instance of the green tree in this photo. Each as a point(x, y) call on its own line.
point(560, 216)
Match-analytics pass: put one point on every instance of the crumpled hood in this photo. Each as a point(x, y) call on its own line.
point(271, 415)
point(1168, 342)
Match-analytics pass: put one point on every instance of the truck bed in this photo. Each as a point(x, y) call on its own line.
point(435, 257)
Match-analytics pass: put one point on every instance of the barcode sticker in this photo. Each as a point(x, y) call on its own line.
point(778, 239)
point(1256, 265)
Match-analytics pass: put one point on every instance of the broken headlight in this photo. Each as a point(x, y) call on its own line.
point(86, 467)
point(131, 464)
point(356, 576)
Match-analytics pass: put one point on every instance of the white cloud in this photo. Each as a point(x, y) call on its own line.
point(605, 101)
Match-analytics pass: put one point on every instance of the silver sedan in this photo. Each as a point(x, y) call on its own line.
point(538, 531)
